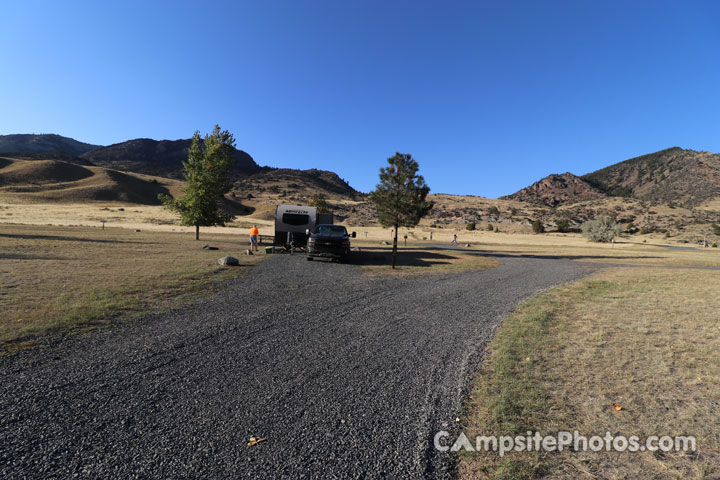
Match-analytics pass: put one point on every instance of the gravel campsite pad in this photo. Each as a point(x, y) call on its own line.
point(297, 370)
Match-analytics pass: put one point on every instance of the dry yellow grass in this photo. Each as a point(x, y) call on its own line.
point(637, 249)
point(646, 340)
point(117, 214)
point(64, 279)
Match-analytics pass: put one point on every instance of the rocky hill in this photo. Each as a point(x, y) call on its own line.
point(557, 189)
point(672, 176)
point(44, 143)
point(296, 184)
point(162, 158)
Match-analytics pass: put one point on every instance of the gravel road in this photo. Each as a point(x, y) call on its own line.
point(346, 375)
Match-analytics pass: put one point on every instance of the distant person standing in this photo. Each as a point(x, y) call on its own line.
point(454, 240)
point(254, 232)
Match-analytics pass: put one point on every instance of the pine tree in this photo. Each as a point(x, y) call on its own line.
point(400, 197)
point(207, 172)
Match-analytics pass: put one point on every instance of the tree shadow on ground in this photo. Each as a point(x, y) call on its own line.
point(25, 236)
point(23, 256)
point(520, 254)
point(405, 258)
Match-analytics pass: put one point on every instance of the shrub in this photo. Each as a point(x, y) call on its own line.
point(493, 210)
point(602, 228)
point(513, 211)
point(320, 202)
point(538, 227)
point(714, 245)
point(489, 227)
point(716, 228)
point(647, 229)
point(470, 226)
point(497, 230)
point(563, 225)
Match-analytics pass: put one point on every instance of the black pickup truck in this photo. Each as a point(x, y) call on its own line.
point(329, 241)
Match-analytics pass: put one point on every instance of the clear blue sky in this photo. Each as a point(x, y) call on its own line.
point(487, 96)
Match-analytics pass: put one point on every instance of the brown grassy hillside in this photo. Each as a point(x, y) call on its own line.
point(33, 181)
point(297, 184)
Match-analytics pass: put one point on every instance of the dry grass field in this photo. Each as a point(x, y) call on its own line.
point(644, 340)
point(60, 280)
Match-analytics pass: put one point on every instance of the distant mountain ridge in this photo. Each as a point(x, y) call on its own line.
point(156, 158)
point(43, 143)
point(141, 155)
point(159, 157)
point(672, 176)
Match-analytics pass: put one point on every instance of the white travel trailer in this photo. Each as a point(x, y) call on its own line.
point(292, 222)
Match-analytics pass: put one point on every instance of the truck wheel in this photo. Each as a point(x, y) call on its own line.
point(309, 258)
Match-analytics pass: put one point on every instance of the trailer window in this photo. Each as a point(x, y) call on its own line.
point(295, 219)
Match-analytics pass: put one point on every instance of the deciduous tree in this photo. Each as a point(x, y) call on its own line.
point(207, 172)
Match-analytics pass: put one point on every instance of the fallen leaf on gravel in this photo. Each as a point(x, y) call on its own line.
point(254, 441)
point(617, 407)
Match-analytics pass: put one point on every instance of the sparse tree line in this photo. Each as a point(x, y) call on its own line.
point(400, 197)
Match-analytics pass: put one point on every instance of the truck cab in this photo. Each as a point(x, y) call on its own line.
point(329, 241)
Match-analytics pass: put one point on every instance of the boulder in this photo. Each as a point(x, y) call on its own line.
point(229, 261)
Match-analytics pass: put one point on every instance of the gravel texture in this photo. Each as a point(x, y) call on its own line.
point(346, 375)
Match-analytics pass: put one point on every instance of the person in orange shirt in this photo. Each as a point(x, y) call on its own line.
point(254, 232)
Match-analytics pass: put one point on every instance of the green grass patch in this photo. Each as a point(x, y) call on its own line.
point(645, 340)
point(508, 392)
